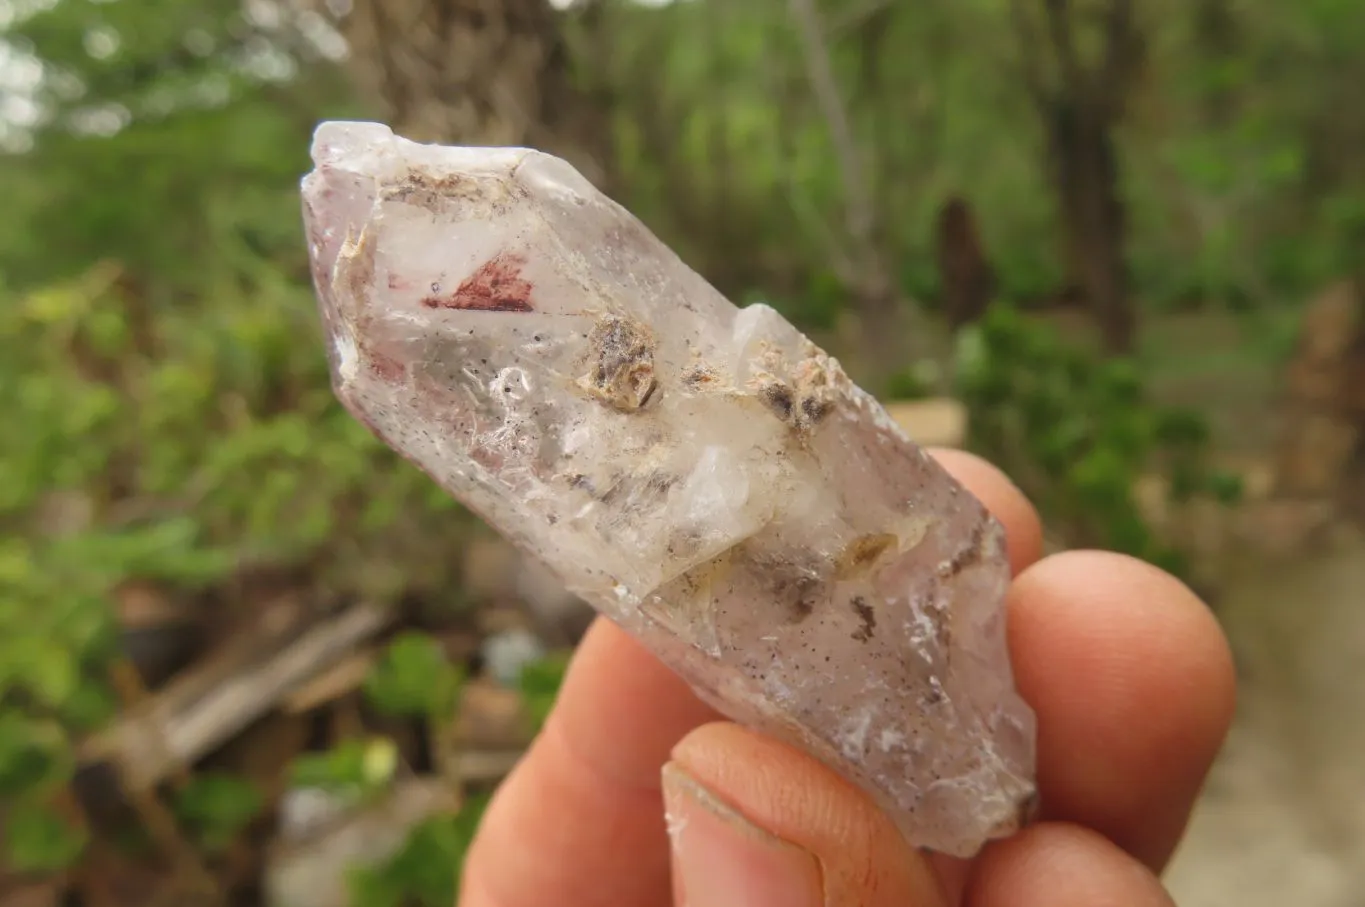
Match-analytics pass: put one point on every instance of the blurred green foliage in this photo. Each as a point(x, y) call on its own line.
point(426, 871)
point(540, 681)
point(216, 807)
point(414, 679)
point(40, 839)
point(355, 769)
point(1240, 147)
point(180, 447)
point(40, 834)
point(1077, 431)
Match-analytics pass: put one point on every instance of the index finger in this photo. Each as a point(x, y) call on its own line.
point(581, 819)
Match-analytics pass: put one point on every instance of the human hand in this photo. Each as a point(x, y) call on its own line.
point(1129, 674)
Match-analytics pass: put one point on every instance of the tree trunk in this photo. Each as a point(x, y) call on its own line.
point(1085, 176)
point(1081, 104)
point(882, 333)
point(486, 72)
point(1216, 34)
point(966, 278)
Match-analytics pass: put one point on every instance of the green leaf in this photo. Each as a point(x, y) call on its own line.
point(414, 678)
point(39, 840)
point(426, 871)
point(49, 671)
point(89, 706)
point(1102, 479)
point(540, 682)
point(1119, 383)
point(353, 768)
point(34, 755)
point(1226, 487)
point(217, 807)
point(1181, 427)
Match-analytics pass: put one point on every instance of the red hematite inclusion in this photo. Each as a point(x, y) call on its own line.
point(387, 368)
point(497, 286)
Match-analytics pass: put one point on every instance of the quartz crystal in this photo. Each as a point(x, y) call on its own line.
point(702, 474)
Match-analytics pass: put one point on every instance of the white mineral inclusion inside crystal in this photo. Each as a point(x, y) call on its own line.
point(347, 356)
point(703, 475)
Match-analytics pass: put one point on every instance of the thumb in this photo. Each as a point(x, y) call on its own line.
point(754, 823)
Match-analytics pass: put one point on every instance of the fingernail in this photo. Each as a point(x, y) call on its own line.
point(720, 859)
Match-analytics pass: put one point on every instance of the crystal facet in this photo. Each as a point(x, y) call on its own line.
point(702, 474)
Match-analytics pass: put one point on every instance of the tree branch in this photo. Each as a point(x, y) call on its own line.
point(1122, 56)
point(859, 216)
point(217, 698)
point(781, 84)
point(1058, 14)
point(386, 85)
point(1030, 62)
point(850, 19)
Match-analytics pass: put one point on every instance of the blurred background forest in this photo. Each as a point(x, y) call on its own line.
point(247, 656)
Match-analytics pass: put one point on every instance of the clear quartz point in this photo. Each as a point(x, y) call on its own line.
point(703, 475)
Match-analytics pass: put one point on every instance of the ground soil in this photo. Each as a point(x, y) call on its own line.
point(1282, 819)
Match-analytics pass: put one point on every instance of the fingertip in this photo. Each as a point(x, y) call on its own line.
point(721, 858)
point(1057, 864)
point(863, 859)
point(1133, 682)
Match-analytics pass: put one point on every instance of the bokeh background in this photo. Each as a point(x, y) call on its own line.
point(249, 657)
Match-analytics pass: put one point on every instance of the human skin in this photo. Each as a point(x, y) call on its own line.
point(637, 795)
